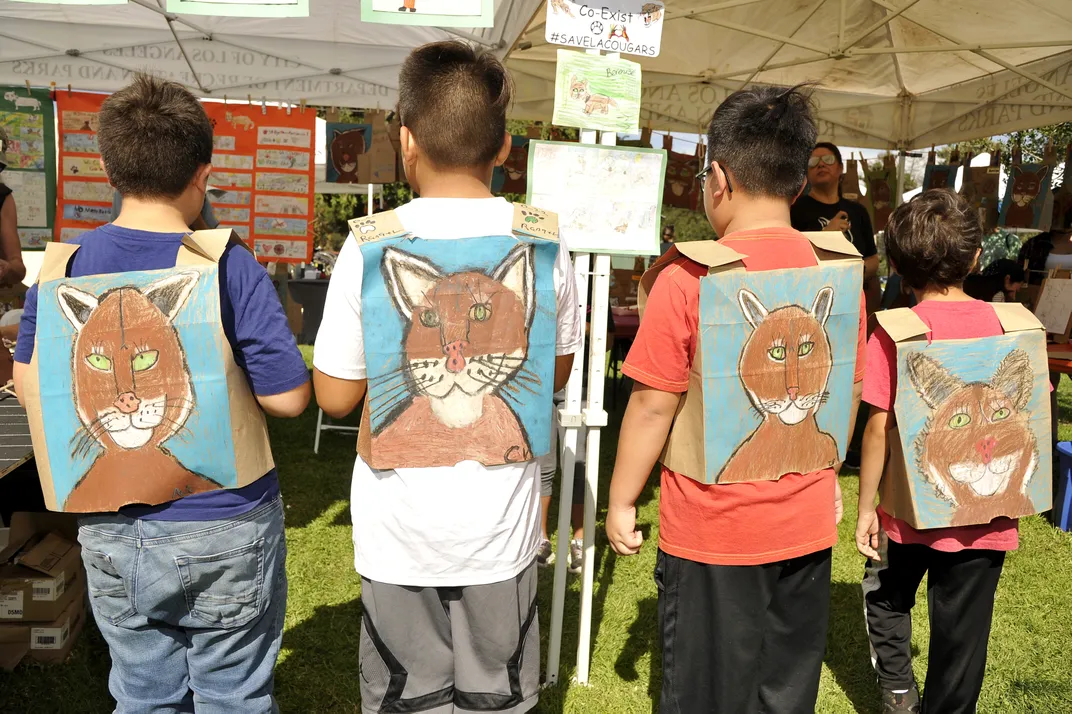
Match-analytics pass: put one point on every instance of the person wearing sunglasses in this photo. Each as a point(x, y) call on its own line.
point(824, 208)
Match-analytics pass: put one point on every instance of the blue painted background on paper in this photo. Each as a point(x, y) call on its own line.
point(729, 416)
point(971, 361)
point(384, 326)
point(205, 445)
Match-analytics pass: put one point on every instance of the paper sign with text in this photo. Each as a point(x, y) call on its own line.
point(632, 27)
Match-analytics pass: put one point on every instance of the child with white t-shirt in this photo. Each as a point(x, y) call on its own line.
point(446, 488)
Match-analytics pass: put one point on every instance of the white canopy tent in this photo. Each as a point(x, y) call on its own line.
point(330, 58)
point(892, 74)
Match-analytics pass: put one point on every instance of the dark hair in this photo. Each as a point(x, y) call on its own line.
point(983, 286)
point(764, 136)
point(831, 147)
point(934, 239)
point(453, 99)
point(154, 136)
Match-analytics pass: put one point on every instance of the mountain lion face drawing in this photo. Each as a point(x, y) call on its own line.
point(516, 167)
point(681, 189)
point(784, 367)
point(977, 449)
point(1026, 187)
point(346, 146)
point(465, 343)
point(132, 391)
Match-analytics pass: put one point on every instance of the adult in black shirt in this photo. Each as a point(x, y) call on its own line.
point(825, 209)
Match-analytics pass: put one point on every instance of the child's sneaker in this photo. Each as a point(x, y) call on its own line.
point(576, 556)
point(545, 555)
point(900, 703)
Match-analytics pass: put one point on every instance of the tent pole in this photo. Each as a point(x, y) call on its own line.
point(900, 175)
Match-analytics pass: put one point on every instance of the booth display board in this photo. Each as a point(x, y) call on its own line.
point(28, 121)
point(597, 92)
point(241, 8)
point(263, 159)
point(632, 27)
point(608, 199)
point(84, 196)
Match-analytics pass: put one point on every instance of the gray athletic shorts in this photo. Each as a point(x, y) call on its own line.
point(450, 650)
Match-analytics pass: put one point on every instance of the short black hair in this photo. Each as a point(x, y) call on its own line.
point(832, 148)
point(934, 239)
point(154, 136)
point(764, 136)
point(454, 99)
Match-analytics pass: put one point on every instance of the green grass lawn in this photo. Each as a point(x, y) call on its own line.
point(1028, 668)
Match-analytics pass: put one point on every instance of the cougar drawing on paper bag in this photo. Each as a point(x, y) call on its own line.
point(976, 448)
point(1026, 187)
point(132, 392)
point(784, 366)
point(465, 343)
point(346, 146)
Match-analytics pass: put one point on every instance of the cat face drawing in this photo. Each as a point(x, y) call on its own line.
point(1026, 187)
point(681, 188)
point(516, 168)
point(132, 392)
point(346, 146)
point(465, 343)
point(977, 449)
point(784, 367)
point(940, 178)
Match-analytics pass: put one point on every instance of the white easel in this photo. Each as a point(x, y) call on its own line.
point(321, 427)
point(572, 418)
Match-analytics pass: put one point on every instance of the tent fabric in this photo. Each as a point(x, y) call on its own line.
point(330, 58)
point(891, 74)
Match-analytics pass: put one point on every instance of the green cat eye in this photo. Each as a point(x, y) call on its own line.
point(430, 318)
point(1001, 414)
point(777, 353)
point(97, 361)
point(959, 421)
point(480, 312)
point(144, 360)
point(805, 349)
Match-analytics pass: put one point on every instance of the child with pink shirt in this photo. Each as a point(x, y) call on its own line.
point(933, 242)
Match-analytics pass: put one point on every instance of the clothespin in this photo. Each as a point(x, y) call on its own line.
point(224, 98)
point(249, 98)
point(68, 90)
point(52, 90)
point(28, 91)
point(264, 105)
point(302, 105)
point(287, 105)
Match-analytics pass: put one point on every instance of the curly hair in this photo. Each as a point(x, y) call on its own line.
point(934, 239)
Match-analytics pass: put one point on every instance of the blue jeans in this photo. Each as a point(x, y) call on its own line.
point(192, 610)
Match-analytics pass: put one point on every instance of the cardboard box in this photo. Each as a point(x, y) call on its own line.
point(48, 642)
point(38, 573)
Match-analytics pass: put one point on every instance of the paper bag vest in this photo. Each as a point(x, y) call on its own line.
point(133, 394)
point(770, 388)
point(972, 434)
point(459, 340)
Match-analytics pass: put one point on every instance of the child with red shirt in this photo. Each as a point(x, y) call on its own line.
point(933, 242)
point(743, 569)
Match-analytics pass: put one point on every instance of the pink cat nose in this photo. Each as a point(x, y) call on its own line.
point(793, 391)
point(127, 403)
point(985, 448)
point(455, 358)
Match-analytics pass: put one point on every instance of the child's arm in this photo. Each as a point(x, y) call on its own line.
point(563, 367)
point(645, 427)
point(287, 405)
point(872, 463)
point(338, 397)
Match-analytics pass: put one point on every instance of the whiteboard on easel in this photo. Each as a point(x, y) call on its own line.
point(1054, 308)
point(608, 199)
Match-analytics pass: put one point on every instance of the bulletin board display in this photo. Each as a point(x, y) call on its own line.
point(28, 123)
point(83, 194)
point(263, 164)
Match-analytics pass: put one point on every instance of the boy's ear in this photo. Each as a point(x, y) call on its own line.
point(407, 144)
point(505, 149)
point(201, 177)
point(104, 169)
point(720, 180)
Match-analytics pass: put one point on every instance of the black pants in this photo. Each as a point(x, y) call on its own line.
point(742, 639)
point(960, 597)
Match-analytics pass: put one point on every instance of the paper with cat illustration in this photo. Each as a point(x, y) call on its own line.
point(973, 425)
point(1026, 194)
point(460, 350)
point(597, 92)
point(346, 142)
point(134, 390)
point(512, 176)
point(779, 356)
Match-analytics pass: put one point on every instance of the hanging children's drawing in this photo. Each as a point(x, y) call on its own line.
point(779, 350)
point(980, 189)
point(1025, 196)
point(974, 423)
point(28, 150)
point(881, 192)
point(941, 175)
point(597, 92)
point(628, 26)
point(346, 143)
point(433, 13)
point(459, 344)
point(681, 189)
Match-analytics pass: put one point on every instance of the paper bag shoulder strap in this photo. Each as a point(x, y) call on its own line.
point(832, 242)
point(901, 324)
point(535, 222)
point(206, 247)
point(1015, 317)
point(57, 258)
point(706, 252)
point(378, 226)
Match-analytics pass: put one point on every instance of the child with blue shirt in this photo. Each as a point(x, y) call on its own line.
point(190, 594)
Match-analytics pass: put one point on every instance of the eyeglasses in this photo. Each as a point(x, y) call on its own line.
point(827, 159)
point(702, 178)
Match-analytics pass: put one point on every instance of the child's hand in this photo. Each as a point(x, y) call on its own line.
point(867, 534)
point(839, 509)
point(624, 538)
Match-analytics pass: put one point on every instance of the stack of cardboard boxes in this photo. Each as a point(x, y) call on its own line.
point(42, 589)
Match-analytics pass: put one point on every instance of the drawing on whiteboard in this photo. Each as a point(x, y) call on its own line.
point(1055, 305)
